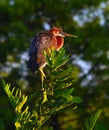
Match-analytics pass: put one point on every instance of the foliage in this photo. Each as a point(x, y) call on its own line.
point(93, 119)
point(18, 100)
point(57, 89)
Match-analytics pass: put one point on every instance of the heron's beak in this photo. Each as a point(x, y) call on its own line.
point(69, 35)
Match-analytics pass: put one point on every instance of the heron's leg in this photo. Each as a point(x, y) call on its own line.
point(42, 75)
point(43, 89)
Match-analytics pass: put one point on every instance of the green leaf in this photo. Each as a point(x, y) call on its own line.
point(56, 59)
point(47, 58)
point(50, 128)
point(18, 100)
point(93, 119)
point(3, 83)
point(77, 99)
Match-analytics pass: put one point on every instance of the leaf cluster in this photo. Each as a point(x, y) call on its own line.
point(18, 100)
point(60, 78)
point(57, 89)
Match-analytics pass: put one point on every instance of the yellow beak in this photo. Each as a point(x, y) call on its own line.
point(69, 35)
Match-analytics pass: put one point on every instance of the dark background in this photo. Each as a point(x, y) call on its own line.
point(20, 20)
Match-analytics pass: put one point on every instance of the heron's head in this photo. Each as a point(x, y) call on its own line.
point(59, 32)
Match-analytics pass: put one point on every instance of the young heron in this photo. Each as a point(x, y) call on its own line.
point(54, 38)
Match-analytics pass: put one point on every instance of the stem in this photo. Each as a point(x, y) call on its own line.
point(43, 89)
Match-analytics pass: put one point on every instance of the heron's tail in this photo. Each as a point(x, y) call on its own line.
point(32, 64)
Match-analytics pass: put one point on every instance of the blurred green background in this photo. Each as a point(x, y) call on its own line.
point(21, 20)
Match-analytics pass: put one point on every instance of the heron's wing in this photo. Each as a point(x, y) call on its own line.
point(41, 42)
point(33, 51)
point(33, 47)
point(44, 41)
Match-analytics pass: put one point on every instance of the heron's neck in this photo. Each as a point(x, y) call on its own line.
point(60, 42)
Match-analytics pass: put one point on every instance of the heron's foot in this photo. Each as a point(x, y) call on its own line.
point(45, 99)
point(42, 72)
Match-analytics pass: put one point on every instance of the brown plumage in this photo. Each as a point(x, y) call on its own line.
point(54, 38)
